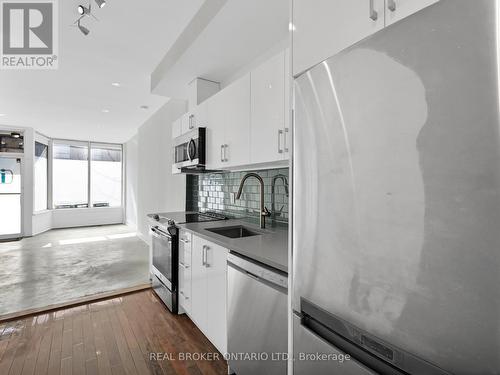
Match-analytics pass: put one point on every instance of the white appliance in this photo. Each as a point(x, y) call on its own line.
point(397, 199)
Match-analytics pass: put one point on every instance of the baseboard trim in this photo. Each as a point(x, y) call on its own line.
point(80, 301)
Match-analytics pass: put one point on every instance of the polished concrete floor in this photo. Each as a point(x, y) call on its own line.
point(65, 265)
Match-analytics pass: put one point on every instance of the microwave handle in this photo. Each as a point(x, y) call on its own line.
point(191, 146)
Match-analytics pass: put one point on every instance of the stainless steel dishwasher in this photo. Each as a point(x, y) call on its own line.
point(257, 317)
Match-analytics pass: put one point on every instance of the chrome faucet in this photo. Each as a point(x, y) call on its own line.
point(263, 210)
point(273, 188)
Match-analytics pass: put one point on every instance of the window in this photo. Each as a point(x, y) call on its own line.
point(74, 163)
point(106, 175)
point(41, 176)
point(70, 174)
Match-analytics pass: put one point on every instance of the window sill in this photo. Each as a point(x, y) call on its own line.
point(42, 212)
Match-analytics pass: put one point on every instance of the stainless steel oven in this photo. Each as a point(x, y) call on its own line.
point(165, 251)
point(189, 150)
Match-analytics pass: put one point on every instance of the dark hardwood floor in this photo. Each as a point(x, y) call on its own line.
point(114, 336)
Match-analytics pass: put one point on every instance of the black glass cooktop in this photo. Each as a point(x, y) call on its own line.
point(188, 217)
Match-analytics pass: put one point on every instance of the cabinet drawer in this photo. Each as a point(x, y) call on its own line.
point(185, 286)
point(185, 241)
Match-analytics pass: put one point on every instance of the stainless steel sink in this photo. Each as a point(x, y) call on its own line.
point(238, 231)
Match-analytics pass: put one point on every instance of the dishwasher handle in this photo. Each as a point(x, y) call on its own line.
point(258, 271)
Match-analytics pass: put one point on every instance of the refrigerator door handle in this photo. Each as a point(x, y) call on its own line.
point(373, 12)
point(391, 5)
point(280, 133)
point(367, 349)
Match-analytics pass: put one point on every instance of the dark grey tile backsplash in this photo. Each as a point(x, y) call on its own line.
point(216, 192)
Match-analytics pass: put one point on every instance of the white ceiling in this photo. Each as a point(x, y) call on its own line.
point(124, 46)
point(238, 34)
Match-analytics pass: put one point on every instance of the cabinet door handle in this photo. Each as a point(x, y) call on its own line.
point(373, 12)
point(391, 5)
point(225, 153)
point(222, 153)
point(280, 133)
point(191, 118)
point(285, 138)
point(206, 256)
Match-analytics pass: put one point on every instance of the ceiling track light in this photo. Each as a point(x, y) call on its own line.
point(83, 10)
point(83, 29)
point(86, 11)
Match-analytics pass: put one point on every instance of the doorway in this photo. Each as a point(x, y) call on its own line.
point(10, 198)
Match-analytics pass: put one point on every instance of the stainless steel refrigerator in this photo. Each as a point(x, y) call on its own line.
point(396, 232)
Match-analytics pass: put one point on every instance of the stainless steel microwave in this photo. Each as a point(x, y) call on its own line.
point(190, 150)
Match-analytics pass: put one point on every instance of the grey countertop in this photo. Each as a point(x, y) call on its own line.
point(270, 248)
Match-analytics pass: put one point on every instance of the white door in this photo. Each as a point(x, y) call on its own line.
point(321, 28)
point(268, 111)
point(217, 284)
point(237, 123)
point(199, 298)
point(10, 198)
point(396, 10)
point(215, 131)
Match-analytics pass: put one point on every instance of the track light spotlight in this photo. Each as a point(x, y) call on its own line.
point(83, 29)
point(100, 3)
point(83, 10)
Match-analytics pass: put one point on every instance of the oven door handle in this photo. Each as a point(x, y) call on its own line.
point(155, 232)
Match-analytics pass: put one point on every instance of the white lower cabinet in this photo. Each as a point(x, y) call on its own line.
point(185, 265)
point(208, 290)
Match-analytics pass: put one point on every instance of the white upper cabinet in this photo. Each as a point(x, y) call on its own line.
point(199, 116)
point(177, 128)
point(215, 131)
point(321, 28)
point(396, 10)
point(267, 131)
point(247, 122)
point(236, 145)
point(228, 126)
point(186, 122)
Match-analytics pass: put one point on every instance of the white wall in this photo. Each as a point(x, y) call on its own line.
point(157, 189)
point(131, 162)
point(41, 222)
point(82, 217)
point(28, 175)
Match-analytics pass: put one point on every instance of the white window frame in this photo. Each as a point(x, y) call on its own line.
point(40, 138)
point(88, 144)
point(113, 146)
